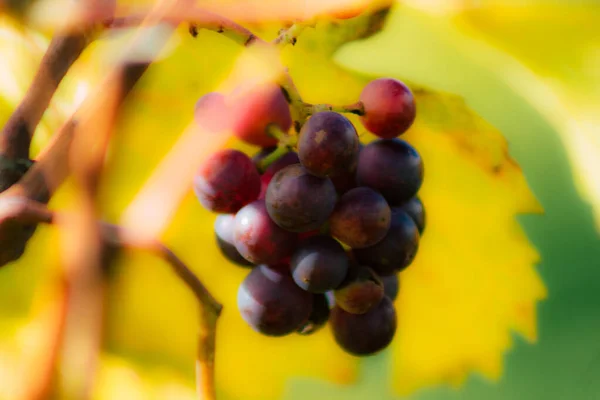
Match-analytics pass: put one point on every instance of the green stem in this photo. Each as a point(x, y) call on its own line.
point(279, 152)
point(284, 138)
point(290, 35)
point(356, 108)
point(297, 106)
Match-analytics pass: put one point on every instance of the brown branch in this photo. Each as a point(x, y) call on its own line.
point(24, 210)
point(62, 52)
point(82, 243)
point(290, 34)
point(51, 168)
point(210, 308)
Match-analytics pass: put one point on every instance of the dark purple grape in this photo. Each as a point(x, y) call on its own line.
point(224, 233)
point(397, 250)
point(318, 316)
point(211, 113)
point(319, 264)
point(360, 291)
point(391, 167)
point(261, 154)
point(389, 107)
point(361, 218)
point(414, 207)
point(328, 145)
point(271, 303)
point(285, 160)
point(364, 334)
point(258, 239)
point(298, 201)
point(391, 285)
point(344, 182)
point(256, 106)
point(227, 181)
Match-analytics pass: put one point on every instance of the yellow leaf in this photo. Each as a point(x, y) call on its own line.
point(472, 284)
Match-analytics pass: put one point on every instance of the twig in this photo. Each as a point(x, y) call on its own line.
point(27, 211)
point(62, 52)
point(210, 308)
point(356, 108)
point(290, 34)
point(51, 168)
point(82, 243)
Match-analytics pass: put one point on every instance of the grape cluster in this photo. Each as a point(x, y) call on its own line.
point(326, 227)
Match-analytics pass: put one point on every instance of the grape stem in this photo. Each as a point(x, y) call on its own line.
point(286, 143)
point(290, 35)
point(279, 152)
point(357, 108)
point(243, 36)
point(24, 211)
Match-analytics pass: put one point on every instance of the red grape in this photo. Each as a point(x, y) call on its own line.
point(258, 239)
point(211, 112)
point(389, 107)
point(227, 181)
point(255, 106)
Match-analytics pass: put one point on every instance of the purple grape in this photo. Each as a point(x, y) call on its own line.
point(398, 248)
point(391, 285)
point(328, 145)
point(271, 303)
point(414, 207)
point(258, 239)
point(364, 334)
point(285, 160)
point(360, 291)
point(389, 107)
point(361, 218)
point(391, 167)
point(224, 234)
point(319, 264)
point(298, 201)
point(227, 181)
point(318, 316)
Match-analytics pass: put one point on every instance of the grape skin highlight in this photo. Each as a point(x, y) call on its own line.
point(258, 239)
point(328, 145)
point(224, 234)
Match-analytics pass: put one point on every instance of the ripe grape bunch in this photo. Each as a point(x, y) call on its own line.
point(325, 222)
